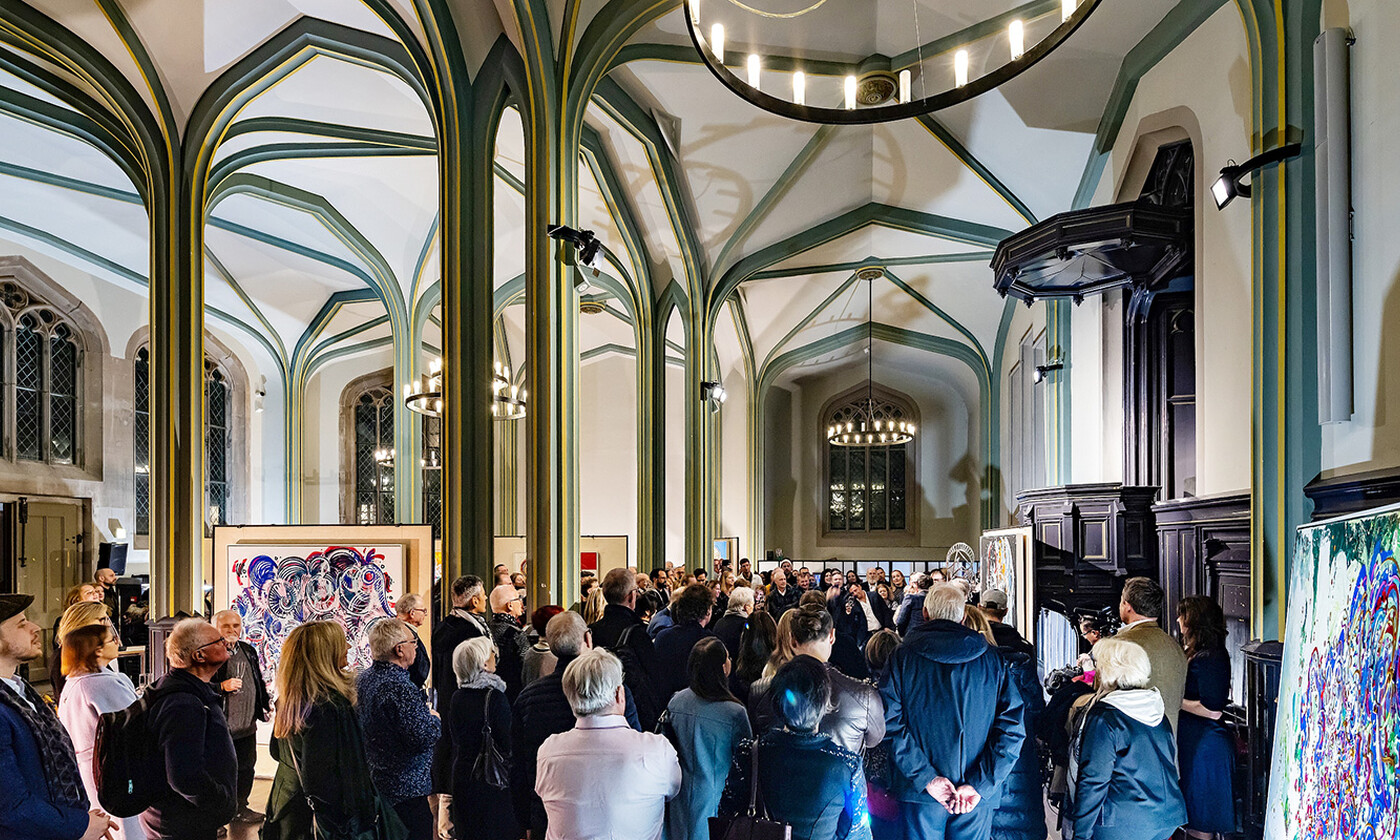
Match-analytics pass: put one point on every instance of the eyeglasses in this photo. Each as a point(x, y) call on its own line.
point(406, 642)
point(219, 641)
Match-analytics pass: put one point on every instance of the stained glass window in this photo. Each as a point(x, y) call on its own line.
point(374, 480)
point(867, 486)
point(216, 443)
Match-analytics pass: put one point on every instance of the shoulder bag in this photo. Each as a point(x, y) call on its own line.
point(490, 766)
point(755, 824)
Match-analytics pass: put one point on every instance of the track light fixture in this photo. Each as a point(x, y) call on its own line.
point(1041, 370)
point(1228, 185)
point(587, 253)
point(713, 394)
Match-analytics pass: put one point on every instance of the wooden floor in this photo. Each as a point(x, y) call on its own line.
point(258, 802)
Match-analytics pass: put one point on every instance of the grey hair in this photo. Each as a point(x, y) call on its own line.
point(564, 634)
point(591, 682)
point(470, 657)
point(1121, 664)
point(945, 601)
point(221, 614)
point(384, 636)
point(741, 596)
point(184, 640)
point(408, 604)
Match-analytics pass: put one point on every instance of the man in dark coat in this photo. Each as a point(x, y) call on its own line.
point(41, 792)
point(410, 611)
point(954, 718)
point(620, 593)
point(543, 710)
point(507, 608)
point(730, 626)
point(782, 595)
point(240, 681)
point(466, 621)
point(692, 612)
point(199, 769)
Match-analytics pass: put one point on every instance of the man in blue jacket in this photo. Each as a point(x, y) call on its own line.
point(953, 718)
point(41, 793)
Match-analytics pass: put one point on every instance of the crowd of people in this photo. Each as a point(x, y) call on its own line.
point(669, 704)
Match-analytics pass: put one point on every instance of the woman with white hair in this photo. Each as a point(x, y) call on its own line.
point(480, 721)
point(1126, 785)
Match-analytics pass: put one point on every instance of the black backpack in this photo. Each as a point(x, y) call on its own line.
point(126, 761)
point(634, 650)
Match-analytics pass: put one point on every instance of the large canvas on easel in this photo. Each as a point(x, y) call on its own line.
point(1336, 762)
point(1006, 563)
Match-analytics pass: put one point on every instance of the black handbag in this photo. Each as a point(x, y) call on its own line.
point(755, 824)
point(490, 766)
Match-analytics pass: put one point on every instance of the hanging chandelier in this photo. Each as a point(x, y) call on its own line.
point(847, 62)
point(424, 394)
point(866, 427)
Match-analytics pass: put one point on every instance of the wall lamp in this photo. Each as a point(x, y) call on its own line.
point(1228, 185)
point(714, 394)
point(1041, 370)
point(588, 254)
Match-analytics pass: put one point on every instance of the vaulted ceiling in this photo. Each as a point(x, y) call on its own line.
point(325, 216)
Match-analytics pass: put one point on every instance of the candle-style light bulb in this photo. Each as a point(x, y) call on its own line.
point(906, 84)
point(753, 70)
point(960, 61)
point(799, 88)
point(1017, 35)
point(695, 12)
point(850, 93)
point(1067, 9)
point(717, 42)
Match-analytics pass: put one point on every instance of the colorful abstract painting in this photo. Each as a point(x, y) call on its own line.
point(1004, 564)
point(1336, 763)
point(276, 588)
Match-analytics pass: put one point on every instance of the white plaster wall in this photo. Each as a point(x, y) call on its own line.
point(733, 436)
point(1013, 447)
point(947, 464)
point(675, 466)
point(607, 455)
point(1203, 86)
point(1371, 439)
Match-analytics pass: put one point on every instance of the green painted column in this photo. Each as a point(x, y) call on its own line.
point(177, 401)
point(652, 525)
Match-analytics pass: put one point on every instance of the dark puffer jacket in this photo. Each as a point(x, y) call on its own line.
point(1021, 814)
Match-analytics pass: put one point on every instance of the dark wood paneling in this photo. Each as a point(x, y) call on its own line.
point(1346, 494)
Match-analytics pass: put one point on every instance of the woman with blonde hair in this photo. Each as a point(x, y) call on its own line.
point(94, 690)
point(80, 613)
point(594, 605)
point(323, 785)
point(975, 619)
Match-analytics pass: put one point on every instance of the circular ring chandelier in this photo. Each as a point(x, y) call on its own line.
point(866, 427)
point(424, 395)
point(844, 85)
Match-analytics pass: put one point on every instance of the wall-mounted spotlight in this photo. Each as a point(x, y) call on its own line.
point(1228, 185)
point(1041, 370)
point(713, 394)
point(587, 252)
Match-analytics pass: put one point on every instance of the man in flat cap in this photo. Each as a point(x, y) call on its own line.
point(41, 793)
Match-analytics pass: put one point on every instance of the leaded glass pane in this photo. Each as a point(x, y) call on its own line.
point(374, 482)
point(29, 351)
point(837, 495)
point(898, 488)
point(877, 488)
point(141, 438)
point(856, 481)
point(63, 397)
point(432, 473)
point(216, 444)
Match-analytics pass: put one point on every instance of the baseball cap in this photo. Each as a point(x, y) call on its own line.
point(994, 598)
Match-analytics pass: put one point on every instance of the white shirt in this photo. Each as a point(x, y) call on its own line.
point(871, 622)
point(1136, 623)
point(16, 685)
point(603, 780)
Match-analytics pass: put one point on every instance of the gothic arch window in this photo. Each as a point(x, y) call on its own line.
point(219, 437)
point(868, 487)
point(42, 406)
point(372, 418)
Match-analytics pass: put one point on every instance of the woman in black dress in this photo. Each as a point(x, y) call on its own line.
point(1206, 750)
point(480, 811)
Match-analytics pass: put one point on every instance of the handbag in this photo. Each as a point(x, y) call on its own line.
point(490, 766)
point(755, 824)
point(666, 728)
point(387, 824)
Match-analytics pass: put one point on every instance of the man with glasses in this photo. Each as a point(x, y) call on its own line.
point(410, 611)
point(401, 732)
point(507, 612)
point(246, 702)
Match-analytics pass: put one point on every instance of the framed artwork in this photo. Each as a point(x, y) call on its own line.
point(1337, 738)
point(277, 581)
point(1006, 563)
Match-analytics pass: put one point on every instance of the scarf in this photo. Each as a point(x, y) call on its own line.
point(55, 747)
point(484, 679)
